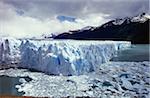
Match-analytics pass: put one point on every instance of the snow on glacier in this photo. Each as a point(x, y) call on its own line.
point(66, 57)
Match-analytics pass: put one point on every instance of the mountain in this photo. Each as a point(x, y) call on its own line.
point(134, 29)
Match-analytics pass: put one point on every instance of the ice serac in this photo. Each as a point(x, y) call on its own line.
point(66, 57)
point(9, 50)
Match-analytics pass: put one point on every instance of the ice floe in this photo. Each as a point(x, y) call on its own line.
point(110, 80)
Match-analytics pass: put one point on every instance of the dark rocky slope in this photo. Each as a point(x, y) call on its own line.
point(135, 29)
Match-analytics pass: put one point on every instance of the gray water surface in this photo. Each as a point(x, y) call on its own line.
point(7, 85)
point(137, 53)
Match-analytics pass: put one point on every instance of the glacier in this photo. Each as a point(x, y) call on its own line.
point(66, 57)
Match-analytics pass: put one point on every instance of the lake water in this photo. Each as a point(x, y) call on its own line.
point(7, 85)
point(138, 52)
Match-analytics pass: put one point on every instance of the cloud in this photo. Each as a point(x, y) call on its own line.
point(79, 8)
point(28, 18)
point(17, 25)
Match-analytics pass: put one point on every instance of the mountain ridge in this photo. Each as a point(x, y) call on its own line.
point(134, 29)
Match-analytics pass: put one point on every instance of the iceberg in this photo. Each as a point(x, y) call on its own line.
point(66, 57)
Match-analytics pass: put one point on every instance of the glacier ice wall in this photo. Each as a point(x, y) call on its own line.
point(66, 57)
point(9, 50)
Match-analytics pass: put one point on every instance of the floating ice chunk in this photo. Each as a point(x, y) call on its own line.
point(126, 84)
point(43, 85)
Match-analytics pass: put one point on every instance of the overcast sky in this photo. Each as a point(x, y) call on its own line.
point(27, 18)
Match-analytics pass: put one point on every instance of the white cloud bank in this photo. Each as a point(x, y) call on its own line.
point(16, 25)
point(29, 18)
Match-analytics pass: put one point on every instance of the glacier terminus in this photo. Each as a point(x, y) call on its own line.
point(66, 57)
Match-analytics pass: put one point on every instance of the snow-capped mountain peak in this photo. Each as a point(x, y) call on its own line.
point(118, 21)
point(87, 28)
point(147, 16)
point(141, 18)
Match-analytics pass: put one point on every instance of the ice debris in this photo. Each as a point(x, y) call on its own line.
point(121, 80)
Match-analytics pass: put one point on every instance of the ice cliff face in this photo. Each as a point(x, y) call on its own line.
point(67, 57)
point(9, 50)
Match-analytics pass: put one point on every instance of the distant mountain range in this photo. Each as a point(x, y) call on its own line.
point(134, 29)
